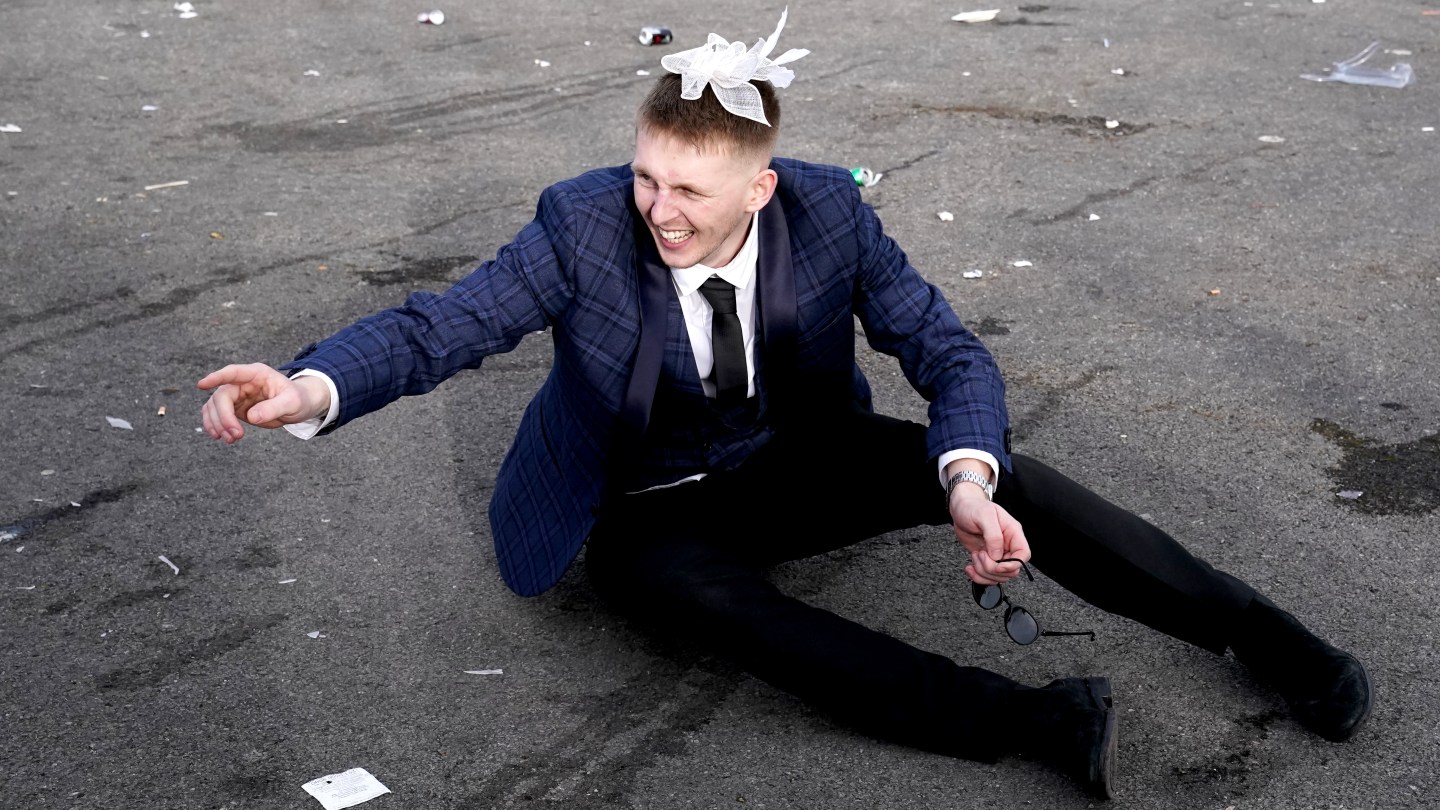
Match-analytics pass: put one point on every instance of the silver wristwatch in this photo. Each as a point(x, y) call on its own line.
point(973, 477)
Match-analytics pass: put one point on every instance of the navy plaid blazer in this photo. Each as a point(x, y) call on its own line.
point(573, 270)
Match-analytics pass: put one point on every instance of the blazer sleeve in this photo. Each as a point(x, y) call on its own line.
point(412, 348)
point(910, 319)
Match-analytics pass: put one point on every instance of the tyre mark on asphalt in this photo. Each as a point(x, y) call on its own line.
point(1082, 207)
point(180, 296)
point(381, 123)
point(911, 162)
point(1053, 394)
point(176, 661)
point(23, 526)
point(1092, 126)
point(60, 310)
point(622, 734)
point(1095, 126)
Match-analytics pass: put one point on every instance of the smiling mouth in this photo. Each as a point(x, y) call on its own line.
point(674, 237)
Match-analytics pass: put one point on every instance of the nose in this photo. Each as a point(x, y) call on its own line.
point(661, 208)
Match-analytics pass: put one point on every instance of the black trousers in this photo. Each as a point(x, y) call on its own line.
point(691, 560)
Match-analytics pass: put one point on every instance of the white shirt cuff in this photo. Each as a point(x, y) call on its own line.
point(975, 454)
point(310, 427)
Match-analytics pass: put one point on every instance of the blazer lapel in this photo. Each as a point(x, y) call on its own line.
point(778, 308)
point(654, 289)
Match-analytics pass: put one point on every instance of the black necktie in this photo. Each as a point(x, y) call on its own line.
point(732, 379)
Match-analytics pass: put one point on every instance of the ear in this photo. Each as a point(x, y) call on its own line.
point(762, 186)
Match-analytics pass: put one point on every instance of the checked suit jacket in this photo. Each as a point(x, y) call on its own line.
point(586, 269)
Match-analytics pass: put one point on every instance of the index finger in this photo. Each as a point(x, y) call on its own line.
point(233, 373)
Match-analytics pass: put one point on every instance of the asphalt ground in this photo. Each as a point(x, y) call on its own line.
point(1217, 329)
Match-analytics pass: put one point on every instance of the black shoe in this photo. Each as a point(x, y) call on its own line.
point(1327, 689)
point(1071, 727)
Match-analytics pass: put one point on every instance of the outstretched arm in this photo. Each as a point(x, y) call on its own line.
point(258, 395)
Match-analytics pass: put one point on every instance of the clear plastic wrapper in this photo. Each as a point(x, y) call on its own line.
point(1353, 71)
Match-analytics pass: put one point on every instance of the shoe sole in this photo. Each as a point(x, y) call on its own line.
point(1102, 768)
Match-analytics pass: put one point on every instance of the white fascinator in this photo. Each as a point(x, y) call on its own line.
point(729, 69)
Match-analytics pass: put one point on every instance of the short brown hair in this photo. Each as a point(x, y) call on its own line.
point(704, 122)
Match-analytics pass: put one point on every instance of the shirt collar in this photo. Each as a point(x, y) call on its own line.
point(740, 271)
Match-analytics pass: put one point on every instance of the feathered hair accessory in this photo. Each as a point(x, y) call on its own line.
point(729, 69)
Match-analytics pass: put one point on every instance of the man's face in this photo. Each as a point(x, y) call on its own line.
point(697, 202)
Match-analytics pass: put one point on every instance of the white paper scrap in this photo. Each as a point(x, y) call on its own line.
point(484, 672)
point(1094, 217)
point(946, 216)
point(173, 566)
point(340, 790)
point(976, 16)
point(116, 422)
point(1023, 263)
point(1349, 494)
point(642, 73)
point(1271, 139)
point(1111, 123)
point(973, 273)
point(317, 634)
point(1118, 71)
point(149, 108)
point(187, 10)
point(10, 128)
point(285, 581)
point(312, 73)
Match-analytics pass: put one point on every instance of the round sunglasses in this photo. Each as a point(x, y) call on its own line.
point(1020, 624)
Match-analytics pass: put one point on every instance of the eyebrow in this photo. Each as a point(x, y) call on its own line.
point(640, 171)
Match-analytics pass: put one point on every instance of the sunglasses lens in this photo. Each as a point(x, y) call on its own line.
point(986, 596)
point(1021, 626)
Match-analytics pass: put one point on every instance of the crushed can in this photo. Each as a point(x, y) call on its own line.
point(655, 35)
